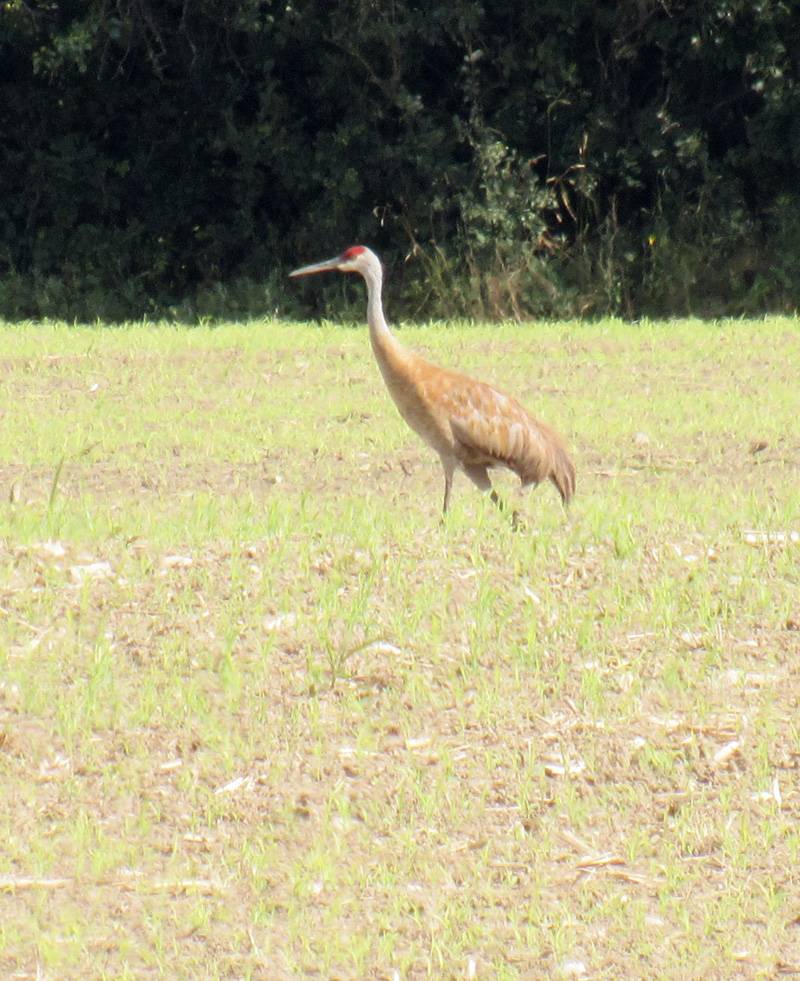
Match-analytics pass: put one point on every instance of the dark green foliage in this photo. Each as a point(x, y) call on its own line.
point(636, 156)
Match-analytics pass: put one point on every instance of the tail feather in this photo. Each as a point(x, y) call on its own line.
point(562, 474)
point(547, 458)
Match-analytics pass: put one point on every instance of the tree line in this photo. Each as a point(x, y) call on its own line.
point(506, 157)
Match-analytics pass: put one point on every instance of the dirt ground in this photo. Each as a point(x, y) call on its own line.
point(262, 716)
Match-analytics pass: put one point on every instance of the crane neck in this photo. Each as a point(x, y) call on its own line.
point(384, 343)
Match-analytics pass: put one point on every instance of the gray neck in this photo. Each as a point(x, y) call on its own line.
point(381, 337)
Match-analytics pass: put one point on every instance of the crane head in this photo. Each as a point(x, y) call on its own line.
point(353, 259)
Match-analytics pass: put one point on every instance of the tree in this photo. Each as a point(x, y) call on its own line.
point(598, 156)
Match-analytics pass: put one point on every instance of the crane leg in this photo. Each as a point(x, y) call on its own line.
point(449, 469)
point(480, 477)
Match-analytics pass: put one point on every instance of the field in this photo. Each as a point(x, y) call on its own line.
point(262, 716)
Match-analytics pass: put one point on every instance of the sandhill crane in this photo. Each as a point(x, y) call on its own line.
point(468, 423)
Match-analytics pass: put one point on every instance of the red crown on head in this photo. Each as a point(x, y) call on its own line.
point(353, 251)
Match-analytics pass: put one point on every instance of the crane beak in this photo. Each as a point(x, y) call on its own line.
point(317, 267)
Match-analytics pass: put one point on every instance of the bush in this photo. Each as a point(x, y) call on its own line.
point(575, 158)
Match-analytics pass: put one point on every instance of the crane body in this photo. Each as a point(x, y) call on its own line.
point(469, 424)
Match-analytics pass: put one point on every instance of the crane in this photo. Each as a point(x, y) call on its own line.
point(469, 424)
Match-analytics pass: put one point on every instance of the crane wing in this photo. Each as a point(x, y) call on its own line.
point(491, 428)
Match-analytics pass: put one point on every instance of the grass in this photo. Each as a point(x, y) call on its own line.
point(262, 716)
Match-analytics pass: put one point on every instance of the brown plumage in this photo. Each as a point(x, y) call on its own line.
point(468, 423)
